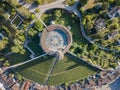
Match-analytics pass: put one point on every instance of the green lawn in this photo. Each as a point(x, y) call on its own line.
point(17, 58)
point(36, 70)
point(65, 70)
point(34, 45)
point(67, 19)
point(66, 64)
point(69, 70)
point(75, 74)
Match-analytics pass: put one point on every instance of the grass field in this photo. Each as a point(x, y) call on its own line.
point(17, 58)
point(36, 70)
point(34, 45)
point(65, 71)
point(67, 19)
point(69, 70)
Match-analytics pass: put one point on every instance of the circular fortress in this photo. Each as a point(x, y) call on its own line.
point(56, 40)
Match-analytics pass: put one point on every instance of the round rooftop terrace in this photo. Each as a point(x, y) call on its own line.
point(56, 38)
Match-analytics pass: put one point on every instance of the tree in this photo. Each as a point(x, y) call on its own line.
point(38, 25)
point(29, 1)
point(6, 64)
point(32, 32)
point(39, 2)
point(111, 1)
point(114, 26)
point(18, 49)
point(14, 3)
point(94, 47)
point(25, 12)
point(57, 14)
point(117, 2)
point(18, 46)
point(3, 43)
point(105, 6)
point(19, 77)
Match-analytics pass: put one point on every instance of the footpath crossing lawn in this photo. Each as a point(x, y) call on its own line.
point(66, 70)
point(69, 70)
point(36, 70)
point(17, 58)
point(65, 64)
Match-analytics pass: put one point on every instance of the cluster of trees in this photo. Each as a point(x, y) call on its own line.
point(4, 40)
point(16, 37)
point(70, 2)
point(37, 27)
point(14, 3)
point(89, 18)
point(39, 2)
point(57, 14)
point(97, 56)
point(18, 43)
point(25, 12)
point(94, 55)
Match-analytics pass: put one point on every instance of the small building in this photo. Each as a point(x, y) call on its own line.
point(100, 24)
point(112, 35)
point(41, 87)
point(26, 85)
point(114, 12)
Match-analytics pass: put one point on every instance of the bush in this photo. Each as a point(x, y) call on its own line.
point(25, 12)
point(39, 2)
point(37, 10)
point(14, 3)
point(38, 26)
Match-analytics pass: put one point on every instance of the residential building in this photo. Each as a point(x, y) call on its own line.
point(26, 85)
point(100, 24)
point(113, 34)
point(114, 12)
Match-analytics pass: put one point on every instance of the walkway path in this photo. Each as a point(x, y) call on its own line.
point(22, 63)
point(29, 49)
point(51, 69)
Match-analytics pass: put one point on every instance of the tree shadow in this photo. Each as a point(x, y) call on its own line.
point(73, 66)
point(32, 63)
